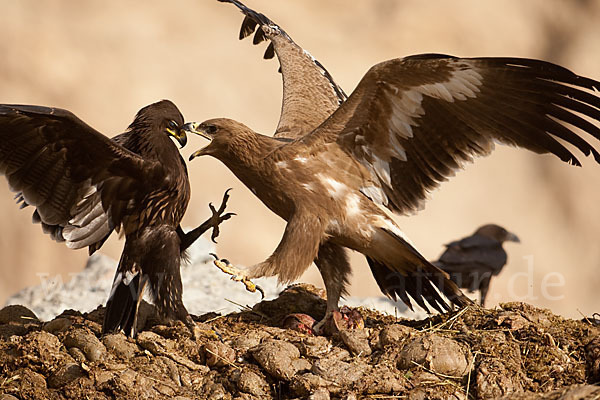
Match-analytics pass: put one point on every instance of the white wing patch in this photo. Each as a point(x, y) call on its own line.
point(462, 84)
point(406, 108)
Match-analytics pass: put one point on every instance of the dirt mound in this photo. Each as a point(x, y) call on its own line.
point(516, 351)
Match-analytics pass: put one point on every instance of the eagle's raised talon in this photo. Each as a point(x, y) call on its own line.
point(217, 218)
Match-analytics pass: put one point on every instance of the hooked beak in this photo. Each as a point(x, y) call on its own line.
point(511, 237)
point(180, 135)
point(194, 127)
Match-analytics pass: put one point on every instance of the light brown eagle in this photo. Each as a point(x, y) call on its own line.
point(333, 163)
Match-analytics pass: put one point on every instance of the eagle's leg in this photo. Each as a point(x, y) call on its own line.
point(298, 248)
point(213, 222)
point(160, 261)
point(333, 264)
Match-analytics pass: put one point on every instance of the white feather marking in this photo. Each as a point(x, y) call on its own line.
point(82, 237)
point(382, 169)
point(300, 159)
point(462, 83)
point(90, 213)
point(281, 164)
point(353, 205)
point(388, 224)
point(398, 126)
point(334, 188)
point(335, 226)
point(129, 275)
point(308, 186)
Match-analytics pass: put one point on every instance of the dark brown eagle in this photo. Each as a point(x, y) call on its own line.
point(473, 260)
point(84, 185)
point(334, 163)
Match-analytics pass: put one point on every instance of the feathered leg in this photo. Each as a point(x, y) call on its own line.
point(333, 264)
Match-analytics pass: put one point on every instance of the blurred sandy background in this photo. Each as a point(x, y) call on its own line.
point(105, 60)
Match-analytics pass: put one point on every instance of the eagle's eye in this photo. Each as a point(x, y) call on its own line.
point(210, 129)
point(173, 124)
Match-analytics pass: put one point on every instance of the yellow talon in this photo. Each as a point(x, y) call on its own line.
point(237, 275)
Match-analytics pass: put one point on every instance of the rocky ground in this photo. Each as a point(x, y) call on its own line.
point(516, 351)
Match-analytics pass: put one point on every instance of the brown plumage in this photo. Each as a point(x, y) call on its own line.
point(409, 125)
point(84, 185)
point(472, 261)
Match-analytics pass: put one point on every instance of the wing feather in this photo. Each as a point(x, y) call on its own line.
point(310, 94)
point(81, 183)
point(422, 117)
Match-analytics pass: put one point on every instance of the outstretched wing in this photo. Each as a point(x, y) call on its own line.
point(310, 94)
point(412, 122)
point(81, 184)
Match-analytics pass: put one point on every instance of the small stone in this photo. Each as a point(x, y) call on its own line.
point(77, 354)
point(119, 345)
point(320, 394)
point(218, 354)
point(244, 343)
point(304, 384)
point(395, 335)
point(277, 358)
point(65, 375)
point(252, 383)
point(216, 391)
point(357, 341)
point(154, 343)
point(17, 314)
point(340, 373)
point(8, 330)
point(57, 325)
point(87, 342)
point(437, 353)
point(315, 346)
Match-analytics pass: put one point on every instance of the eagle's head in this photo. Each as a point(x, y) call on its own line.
point(227, 137)
point(162, 116)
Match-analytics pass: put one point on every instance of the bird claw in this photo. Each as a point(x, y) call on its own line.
point(238, 275)
point(217, 218)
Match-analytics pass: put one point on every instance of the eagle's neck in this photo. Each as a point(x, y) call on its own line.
point(248, 149)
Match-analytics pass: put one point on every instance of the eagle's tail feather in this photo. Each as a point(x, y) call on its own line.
point(410, 274)
point(122, 305)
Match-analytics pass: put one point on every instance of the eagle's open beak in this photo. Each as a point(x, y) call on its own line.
point(511, 237)
point(195, 127)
